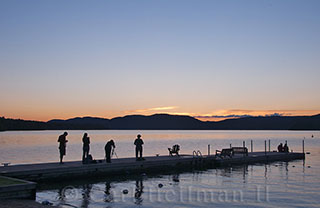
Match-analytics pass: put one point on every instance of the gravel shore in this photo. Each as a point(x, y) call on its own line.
point(17, 203)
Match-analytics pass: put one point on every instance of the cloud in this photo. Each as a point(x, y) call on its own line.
point(163, 108)
point(166, 108)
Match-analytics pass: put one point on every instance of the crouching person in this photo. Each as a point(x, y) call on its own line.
point(108, 148)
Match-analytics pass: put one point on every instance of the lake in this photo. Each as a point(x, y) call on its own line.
point(278, 184)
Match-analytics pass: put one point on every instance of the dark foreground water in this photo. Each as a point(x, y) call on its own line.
point(279, 184)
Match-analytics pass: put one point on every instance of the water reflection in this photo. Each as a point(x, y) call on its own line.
point(61, 195)
point(175, 179)
point(138, 192)
point(108, 193)
point(232, 171)
point(255, 184)
point(86, 190)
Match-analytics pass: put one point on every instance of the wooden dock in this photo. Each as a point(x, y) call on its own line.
point(55, 171)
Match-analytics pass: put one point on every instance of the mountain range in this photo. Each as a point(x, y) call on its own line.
point(166, 122)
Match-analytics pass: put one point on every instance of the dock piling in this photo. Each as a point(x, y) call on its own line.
point(265, 147)
point(251, 146)
point(303, 146)
point(208, 149)
point(269, 144)
point(244, 145)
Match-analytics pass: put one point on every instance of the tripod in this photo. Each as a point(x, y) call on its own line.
point(114, 153)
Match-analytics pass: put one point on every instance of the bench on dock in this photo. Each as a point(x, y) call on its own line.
point(224, 153)
point(6, 164)
point(231, 152)
point(239, 150)
point(174, 150)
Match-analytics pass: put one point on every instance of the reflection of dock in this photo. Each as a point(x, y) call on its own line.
point(259, 157)
point(125, 166)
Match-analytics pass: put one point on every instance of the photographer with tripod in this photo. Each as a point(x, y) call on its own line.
point(108, 148)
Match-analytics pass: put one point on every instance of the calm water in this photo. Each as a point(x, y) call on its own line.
point(280, 184)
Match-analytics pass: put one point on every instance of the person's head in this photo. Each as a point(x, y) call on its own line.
point(281, 144)
point(85, 134)
point(65, 133)
point(111, 141)
point(138, 136)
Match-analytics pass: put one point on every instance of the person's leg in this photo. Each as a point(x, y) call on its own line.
point(61, 156)
point(108, 159)
point(84, 155)
point(88, 150)
point(137, 150)
point(141, 153)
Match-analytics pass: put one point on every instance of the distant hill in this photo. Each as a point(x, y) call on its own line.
point(157, 121)
point(18, 124)
point(270, 123)
point(79, 123)
point(166, 122)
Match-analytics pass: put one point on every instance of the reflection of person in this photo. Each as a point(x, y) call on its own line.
point(138, 192)
point(86, 147)
point(139, 142)
point(62, 145)
point(86, 190)
point(107, 148)
point(108, 193)
point(175, 178)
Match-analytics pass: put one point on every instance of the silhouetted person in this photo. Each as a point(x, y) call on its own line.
point(138, 142)
point(280, 148)
point(62, 145)
point(285, 148)
point(110, 144)
point(86, 147)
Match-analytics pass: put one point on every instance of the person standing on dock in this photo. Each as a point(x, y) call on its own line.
point(139, 142)
point(280, 148)
point(62, 145)
point(86, 147)
point(285, 148)
point(110, 144)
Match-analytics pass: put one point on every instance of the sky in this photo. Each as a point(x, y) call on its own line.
point(208, 59)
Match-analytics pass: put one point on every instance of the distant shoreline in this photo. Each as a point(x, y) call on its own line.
point(166, 122)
